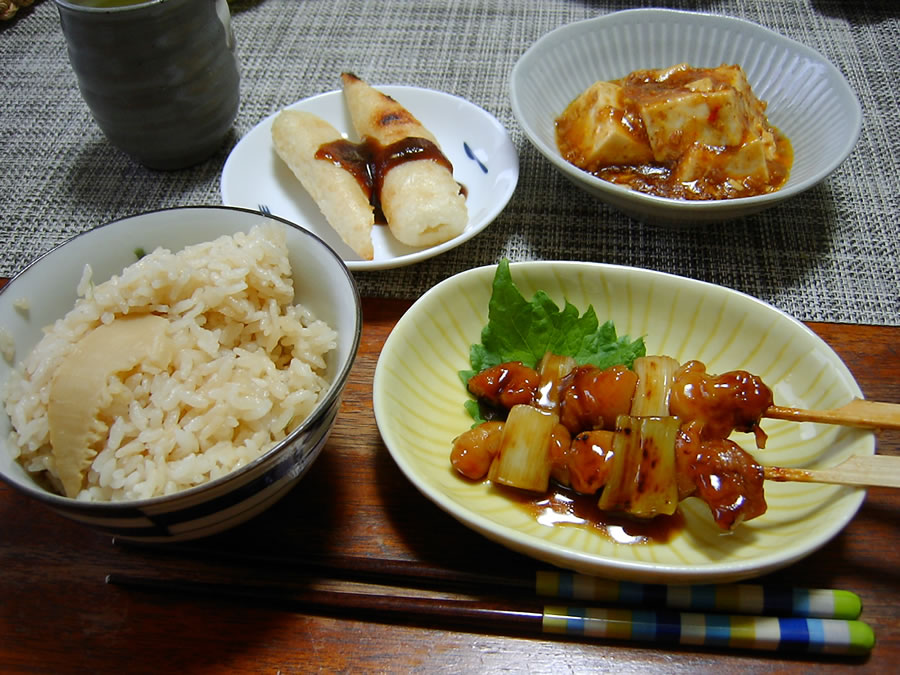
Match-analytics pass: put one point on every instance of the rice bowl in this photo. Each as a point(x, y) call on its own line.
point(247, 366)
point(253, 388)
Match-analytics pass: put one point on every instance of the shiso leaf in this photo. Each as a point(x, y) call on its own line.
point(524, 330)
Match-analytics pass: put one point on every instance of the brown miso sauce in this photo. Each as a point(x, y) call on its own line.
point(562, 506)
point(369, 161)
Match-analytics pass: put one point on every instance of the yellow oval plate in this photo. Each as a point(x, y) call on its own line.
point(418, 400)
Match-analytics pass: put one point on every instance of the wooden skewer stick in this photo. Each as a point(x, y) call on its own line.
point(863, 470)
point(857, 413)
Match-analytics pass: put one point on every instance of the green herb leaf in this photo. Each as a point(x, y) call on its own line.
point(474, 410)
point(523, 330)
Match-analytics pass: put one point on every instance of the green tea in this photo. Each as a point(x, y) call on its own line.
point(107, 3)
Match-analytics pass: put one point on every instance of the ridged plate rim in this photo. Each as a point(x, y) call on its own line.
point(418, 404)
point(782, 71)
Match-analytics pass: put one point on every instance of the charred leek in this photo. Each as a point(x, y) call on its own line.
point(655, 377)
point(552, 369)
point(642, 480)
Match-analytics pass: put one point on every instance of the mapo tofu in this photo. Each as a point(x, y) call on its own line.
point(679, 132)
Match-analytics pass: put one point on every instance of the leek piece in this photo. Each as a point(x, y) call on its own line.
point(655, 377)
point(524, 458)
point(552, 369)
point(617, 491)
point(642, 480)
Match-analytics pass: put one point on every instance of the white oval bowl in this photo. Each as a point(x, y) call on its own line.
point(808, 98)
point(323, 284)
point(484, 160)
point(418, 402)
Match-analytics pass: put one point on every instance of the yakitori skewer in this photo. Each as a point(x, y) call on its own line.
point(647, 437)
point(857, 413)
point(862, 470)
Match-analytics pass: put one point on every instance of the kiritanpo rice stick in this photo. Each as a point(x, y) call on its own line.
point(297, 136)
point(421, 200)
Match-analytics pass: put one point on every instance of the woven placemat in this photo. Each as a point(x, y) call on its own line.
point(831, 254)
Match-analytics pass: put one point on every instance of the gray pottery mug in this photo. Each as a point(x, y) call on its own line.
point(159, 76)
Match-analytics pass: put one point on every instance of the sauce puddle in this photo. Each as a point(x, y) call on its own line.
point(565, 507)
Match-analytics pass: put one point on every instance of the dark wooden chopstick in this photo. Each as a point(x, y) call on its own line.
point(336, 601)
point(720, 598)
point(661, 627)
point(382, 571)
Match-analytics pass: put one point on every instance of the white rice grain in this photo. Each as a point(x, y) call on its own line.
point(248, 366)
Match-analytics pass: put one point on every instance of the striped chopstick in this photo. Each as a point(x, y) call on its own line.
point(662, 628)
point(721, 598)
point(819, 636)
point(821, 603)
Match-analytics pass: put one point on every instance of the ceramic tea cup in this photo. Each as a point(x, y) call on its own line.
point(159, 76)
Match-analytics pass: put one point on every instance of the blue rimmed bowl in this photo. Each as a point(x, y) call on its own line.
point(49, 286)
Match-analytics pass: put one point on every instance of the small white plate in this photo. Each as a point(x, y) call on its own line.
point(484, 160)
point(418, 401)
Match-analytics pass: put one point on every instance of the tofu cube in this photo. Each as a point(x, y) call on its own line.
point(677, 121)
point(718, 111)
point(595, 131)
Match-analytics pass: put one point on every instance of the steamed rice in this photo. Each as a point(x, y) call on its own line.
point(248, 368)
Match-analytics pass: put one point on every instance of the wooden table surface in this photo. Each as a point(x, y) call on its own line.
point(57, 614)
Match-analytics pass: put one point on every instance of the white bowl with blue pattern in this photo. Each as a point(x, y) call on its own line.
point(49, 285)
